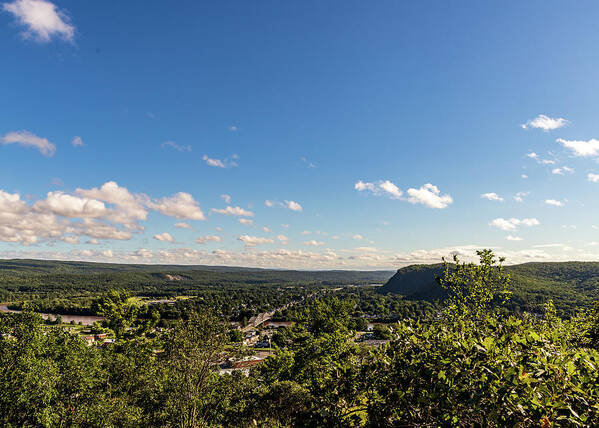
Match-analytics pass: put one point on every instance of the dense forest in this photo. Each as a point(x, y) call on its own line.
point(570, 285)
point(467, 361)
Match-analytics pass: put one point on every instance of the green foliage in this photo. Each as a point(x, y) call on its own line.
point(473, 288)
point(470, 364)
point(570, 285)
point(119, 310)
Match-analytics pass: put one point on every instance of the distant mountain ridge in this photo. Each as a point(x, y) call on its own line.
point(571, 285)
point(26, 267)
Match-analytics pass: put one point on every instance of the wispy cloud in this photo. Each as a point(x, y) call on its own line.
point(307, 162)
point(513, 223)
point(27, 139)
point(164, 237)
point(545, 123)
point(176, 146)
point(554, 202)
point(428, 195)
point(382, 187)
point(252, 241)
point(224, 163)
point(492, 196)
point(519, 197)
point(208, 238)
point(233, 211)
point(314, 243)
point(594, 178)
point(562, 170)
point(77, 142)
point(581, 148)
point(41, 19)
point(290, 205)
point(182, 225)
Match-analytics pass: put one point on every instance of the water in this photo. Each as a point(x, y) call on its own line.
point(83, 319)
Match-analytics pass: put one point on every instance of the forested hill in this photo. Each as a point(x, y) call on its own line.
point(571, 285)
point(22, 267)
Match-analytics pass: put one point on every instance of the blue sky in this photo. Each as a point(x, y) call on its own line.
point(344, 134)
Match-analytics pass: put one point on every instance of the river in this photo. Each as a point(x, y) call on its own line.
point(83, 319)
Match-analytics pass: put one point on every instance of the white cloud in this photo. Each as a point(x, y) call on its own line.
point(548, 246)
point(233, 128)
point(314, 243)
point(491, 196)
point(142, 253)
point(77, 142)
point(128, 207)
point(246, 221)
point(310, 164)
point(524, 176)
point(213, 162)
point(234, 211)
point(66, 205)
point(178, 147)
point(594, 178)
point(358, 237)
point(283, 239)
point(429, 195)
point(71, 239)
point(315, 258)
point(305, 232)
point(218, 163)
point(42, 20)
point(252, 241)
point(365, 249)
point(208, 238)
point(293, 206)
point(181, 206)
point(226, 198)
point(533, 155)
point(27, 139)
point(562, 170)
point(99, 230)
point(512, 223)
point(165, 237)
point(581, 148)
point(110, 212)
point(266, 229)
point(545, 123)
point(554, 202)
point(382, 187)
point(513, 238)
point(182, 225)
point(520, 196)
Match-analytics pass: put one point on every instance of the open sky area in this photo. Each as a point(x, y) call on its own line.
point(310, 135)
